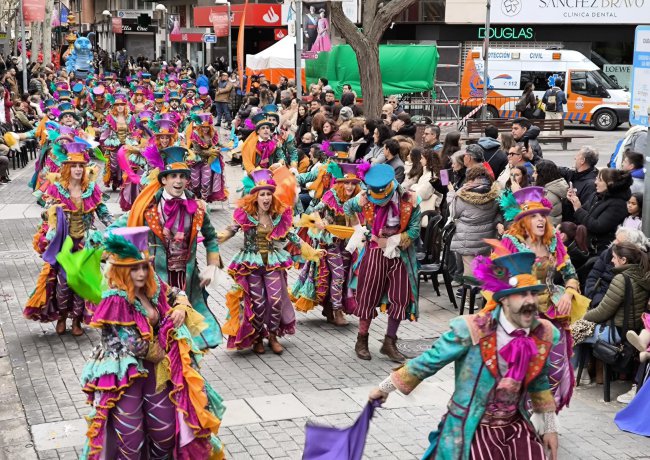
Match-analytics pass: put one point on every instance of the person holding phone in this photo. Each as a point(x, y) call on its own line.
point(524, 131)
point(429, 186)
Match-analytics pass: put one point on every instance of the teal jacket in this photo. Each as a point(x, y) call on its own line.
point(470, 344)
point(211, 337)
point(410, 224)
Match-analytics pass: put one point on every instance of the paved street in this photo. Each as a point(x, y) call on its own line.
point(269, 398)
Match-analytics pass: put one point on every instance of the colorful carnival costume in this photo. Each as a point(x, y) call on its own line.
point(116, 132)
point(65, 215)
point(326, 282)
point(139, 100)
point(259, 149)
point(175, 223)
point(498, 365)
point(259, 304)
point(208, 180)
point(552, 257)
point(149, 399)
point(388, 269)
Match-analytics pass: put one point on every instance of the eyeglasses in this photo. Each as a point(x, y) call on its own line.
point(512, 154)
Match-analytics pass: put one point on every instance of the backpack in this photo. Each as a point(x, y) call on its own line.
point(521, 104)
point(551, 100)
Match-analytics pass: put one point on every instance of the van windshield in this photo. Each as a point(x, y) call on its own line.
point(603, 79)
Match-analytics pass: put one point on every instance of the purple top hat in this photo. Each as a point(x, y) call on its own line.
point(145, 115)
point(206, 119)
point(138, 236)
point(263, 179)
point(203, 91)
point(76, 147)
point(166, 127)
point(99, 90)
point(531, 200)
point(120, 99)
point(350, 173)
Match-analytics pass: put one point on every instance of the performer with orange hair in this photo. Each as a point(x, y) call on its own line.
point(116, 132)
point(326, 282)
point(259, 304)
point(149, 399)
point(72, 201)
point(532, 231)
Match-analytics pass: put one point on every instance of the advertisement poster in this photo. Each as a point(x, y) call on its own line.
point(316, 27)
point(640, 104)
point(174, 24)
point(569, 12)
point(620, 73)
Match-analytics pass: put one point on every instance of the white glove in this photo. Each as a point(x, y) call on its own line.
point(220, 279)
point(357, 240)
point(207, 275)
point(391, 251)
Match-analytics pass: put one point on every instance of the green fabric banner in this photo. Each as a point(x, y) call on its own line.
point(404, 68)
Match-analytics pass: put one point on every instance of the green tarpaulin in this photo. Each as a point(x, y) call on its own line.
point(404, 68)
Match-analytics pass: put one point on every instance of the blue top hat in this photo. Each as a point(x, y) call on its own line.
point(159, 97)
point(260, 119)
point(381, 183)
point(519, 263)
point(174, 158)
point(146, 76)
point(174, 96)
point(64, 94)
point(78, 88)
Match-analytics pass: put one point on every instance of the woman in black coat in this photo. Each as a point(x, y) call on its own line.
point(609, 208)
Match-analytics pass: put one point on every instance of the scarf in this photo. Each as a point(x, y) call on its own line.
point(176, 210)
point(518, 353)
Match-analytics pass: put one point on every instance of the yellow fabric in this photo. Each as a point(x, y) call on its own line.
point(195, 387)
point(136, 215)
point(194, 320)
point(304, 305)
point(51, 216)
point(188, 135)
point(233, 300)
point(249, 152)
point(318, 185)
point(579, 306)
point(155, 353)
point(340, 231)
point(163, 374)
point(309, 253)
point(41, 133)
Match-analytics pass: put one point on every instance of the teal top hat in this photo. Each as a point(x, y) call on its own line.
point(174, 159)
point(271, 110)
point(260, 119)
point(64, 94)
point(515, 269)
point(146, 76)
point(174, 96)
point(78, 88)
point(66, 108)
point(159, 97)
point(340, 150)
point(380, 180)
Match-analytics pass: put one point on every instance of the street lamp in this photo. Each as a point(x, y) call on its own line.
point(226, 2)
point(106, 28)
point(163, 11)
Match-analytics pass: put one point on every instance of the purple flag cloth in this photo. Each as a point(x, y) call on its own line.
point(329, 443)
point(54, 247)
point(518, 354)
point(634, 417)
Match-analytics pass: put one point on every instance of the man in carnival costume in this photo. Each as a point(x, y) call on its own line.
point(189, 99)
point(259, 149)
point(160, 106)
point(205, 101)
point(176, 217)
point(501, 358)
point(388, 269)
point(99, 107)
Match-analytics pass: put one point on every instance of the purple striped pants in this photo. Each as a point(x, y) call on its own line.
point(379, 275)
point(515, 441)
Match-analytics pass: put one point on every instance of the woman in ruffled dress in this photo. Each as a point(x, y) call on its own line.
point(259, 304)
point(116, 132)
point(532, 231)
point(208, 181)
point(326, 282)
point(139, 101)
point(149, 399)
point(72, 202)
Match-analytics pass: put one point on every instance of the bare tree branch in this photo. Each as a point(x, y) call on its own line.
point(383, 17)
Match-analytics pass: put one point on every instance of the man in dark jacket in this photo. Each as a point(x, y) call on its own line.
point(581, 178)
point(524, 131)
point(492, 152)
point(391, 152)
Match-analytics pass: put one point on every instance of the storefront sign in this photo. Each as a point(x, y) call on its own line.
point(131, 25)
point(621, 73)
point(508, 33)
point(116, 24)
point(132, 14)
point(220, 23)
point(279, 34)
point(209, 38)
point(570, 11)
point(189, 34)
point(640, 104)
point(33, 11)
point(257, 14)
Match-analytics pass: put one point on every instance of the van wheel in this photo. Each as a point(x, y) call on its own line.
point(491, 112)
point(605, 120)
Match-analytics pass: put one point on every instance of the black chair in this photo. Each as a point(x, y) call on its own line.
point(470, 286)
point(423, 245)
point(441, 238)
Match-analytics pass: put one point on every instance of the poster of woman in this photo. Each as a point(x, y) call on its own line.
point(316, 27)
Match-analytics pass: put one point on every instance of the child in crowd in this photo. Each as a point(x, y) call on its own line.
point(634, 208)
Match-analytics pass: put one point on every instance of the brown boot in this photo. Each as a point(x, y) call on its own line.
point(361, 347)
point(274, 345)
point(599, 371)
point(60, 326)
point(390, 349)
point(259, 347)
point(339, 318)
point(76, 327)
point(328, 313)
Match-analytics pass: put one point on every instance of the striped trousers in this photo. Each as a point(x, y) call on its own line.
point(515, 441)
point(379, 275)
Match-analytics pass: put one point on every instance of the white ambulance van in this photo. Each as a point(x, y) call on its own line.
point(592, 97)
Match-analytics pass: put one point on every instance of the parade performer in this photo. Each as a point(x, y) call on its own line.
point(259, 149)
point(318, 180)
point(99, 106)
point(189, 100)
point(139, 101)
point(134, 165)
point(326, 283)
point(388, 269)
point(205, 101)
point(176, 108)
point(73, 199)
point(81, 102)
point(116, 132)
point(149, 399)
point(259, 305)
point(500, 357)
point(532, 231)
point(208, 181)
point(176, 218)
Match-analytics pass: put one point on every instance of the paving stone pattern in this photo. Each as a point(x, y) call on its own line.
point(269, 398)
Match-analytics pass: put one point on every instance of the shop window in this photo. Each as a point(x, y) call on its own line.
point(424, 11)
point(539, 79)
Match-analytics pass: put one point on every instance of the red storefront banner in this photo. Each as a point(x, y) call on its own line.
point(279, 34)
point(190, 37)
point(116, 25)
point(33, 11)
point(257, 14)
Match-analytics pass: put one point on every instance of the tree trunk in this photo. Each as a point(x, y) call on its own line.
point(47, 32)
point(370, 76)
point(37, 35)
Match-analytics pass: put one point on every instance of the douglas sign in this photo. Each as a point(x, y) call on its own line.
point(570, 11)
